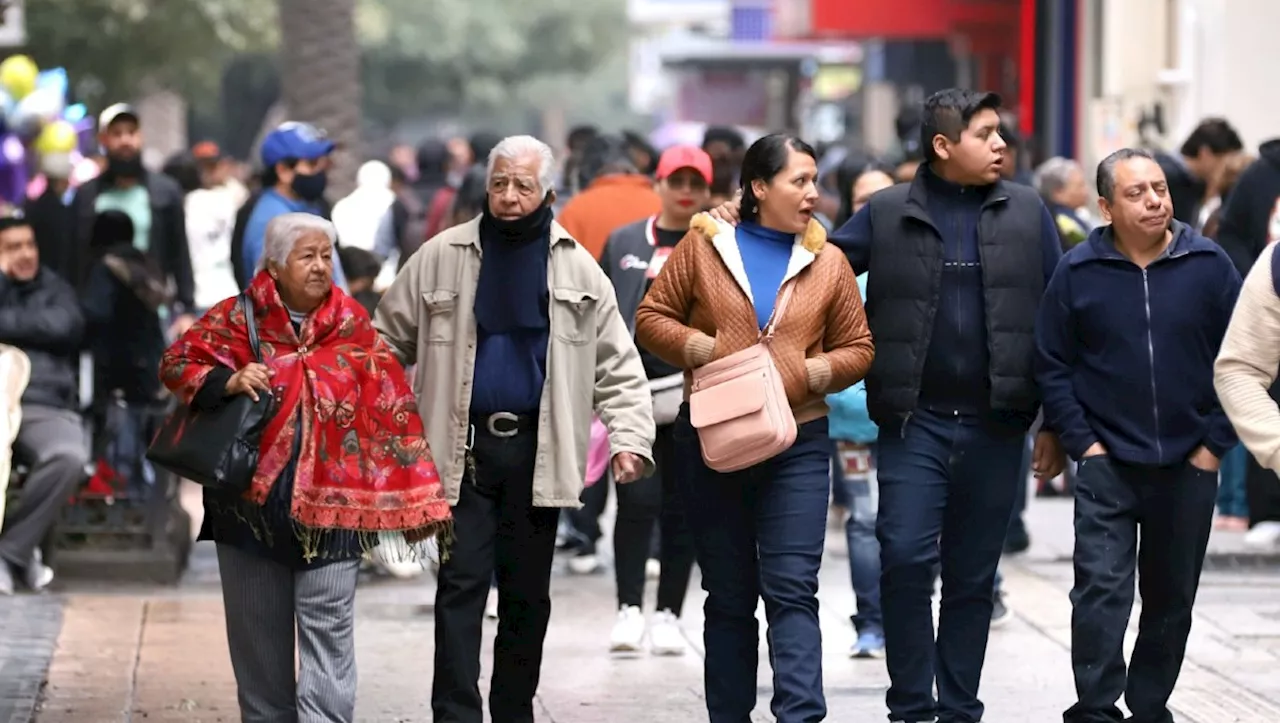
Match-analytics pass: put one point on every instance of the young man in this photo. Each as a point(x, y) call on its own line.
point(958, 260)
point(632, 258)
point(1126, 340)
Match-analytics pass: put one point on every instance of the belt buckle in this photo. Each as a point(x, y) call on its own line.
point(492, 424)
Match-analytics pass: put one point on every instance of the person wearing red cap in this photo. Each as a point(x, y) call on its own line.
point(632, 257)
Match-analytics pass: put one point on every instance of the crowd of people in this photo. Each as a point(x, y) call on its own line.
point(452, 346)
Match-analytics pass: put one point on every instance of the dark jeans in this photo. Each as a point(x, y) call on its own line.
point(863, 494)
point(948, 485)
point(640, 505)
point(759, 534)
point(499, 530)
point(1173, 508)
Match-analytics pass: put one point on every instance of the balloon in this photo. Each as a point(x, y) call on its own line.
point(18, 75)
point(57, 137)
point(75, 113)
point(55, 80)
point(44, 103)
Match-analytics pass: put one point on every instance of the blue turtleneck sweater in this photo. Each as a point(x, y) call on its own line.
point(765, 256)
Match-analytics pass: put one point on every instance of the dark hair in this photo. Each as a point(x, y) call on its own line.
point(723, 134)
point(111, 228)
point(1106, 178)
point(602, 155)
point(472, 192)
point(1216, 134)
point(397, 174)
point(855, 166)
point(183, 168)
point(432, 157)
point(636, 142)
point(579, 136)
point(269, 175)
point(358, 263)
point(482, 144)
point(765, 159)
point(947, 113)
point(722, 177)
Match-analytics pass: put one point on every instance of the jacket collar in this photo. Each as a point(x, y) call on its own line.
point(917, 205)
point(1101, 245)
point(723, 238)
point(472, 236)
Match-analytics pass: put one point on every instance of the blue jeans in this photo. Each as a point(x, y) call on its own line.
point(863, 494)
point(759, 533)
point(1232, 500)
point(948, 486)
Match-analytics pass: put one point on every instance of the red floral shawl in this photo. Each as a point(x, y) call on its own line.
point(364, 464)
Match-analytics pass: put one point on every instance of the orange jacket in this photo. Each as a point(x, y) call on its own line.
point(607, 205)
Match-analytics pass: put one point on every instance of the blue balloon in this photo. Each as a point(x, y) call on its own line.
point(55, 79)
point(75, 113)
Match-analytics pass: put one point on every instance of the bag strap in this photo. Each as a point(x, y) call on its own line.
point(779, 309)
point(250, 325)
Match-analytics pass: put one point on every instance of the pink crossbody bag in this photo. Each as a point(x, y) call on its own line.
point(739, 405)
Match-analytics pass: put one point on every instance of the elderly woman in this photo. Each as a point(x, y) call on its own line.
point(343, 459)
point(760, 532)
point(1060, 182)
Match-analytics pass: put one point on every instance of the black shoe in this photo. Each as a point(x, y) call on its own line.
point(1016, 541)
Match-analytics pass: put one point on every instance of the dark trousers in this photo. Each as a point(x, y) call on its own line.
point(52, 442)
point(759, 534)
point(948, 486)
point(1173, 508)
point(640, 506)
point(1262, 486)
point(499, 530)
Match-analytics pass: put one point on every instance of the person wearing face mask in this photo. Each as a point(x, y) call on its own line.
point(296, 158)
point(153, 201)
point(1126, 340)
point(516, 339)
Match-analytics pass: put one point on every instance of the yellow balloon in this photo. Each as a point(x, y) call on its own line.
point(56, 137)
point(18, 75)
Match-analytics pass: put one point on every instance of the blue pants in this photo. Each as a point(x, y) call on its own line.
point(948, 487)
point(863, 497)
point(759, 533)
point(1232, 500)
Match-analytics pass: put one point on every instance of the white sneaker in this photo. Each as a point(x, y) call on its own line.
point(628, 632)
point(652, 569)
point(491, 605)
point(1263, 534)
point(665, 637)
point(584, 564)
point(37, 575)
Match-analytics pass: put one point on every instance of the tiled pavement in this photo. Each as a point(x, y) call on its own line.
point(160, 654)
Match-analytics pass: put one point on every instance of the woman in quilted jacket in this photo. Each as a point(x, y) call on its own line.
point(759, 532)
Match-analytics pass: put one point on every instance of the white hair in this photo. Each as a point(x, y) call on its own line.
point(284, 232)
point(1051, 177)
point(513, 147)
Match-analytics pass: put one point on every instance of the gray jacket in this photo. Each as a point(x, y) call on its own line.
point(625, 261)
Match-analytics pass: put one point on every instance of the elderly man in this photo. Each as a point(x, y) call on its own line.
point(513, 356)
point(1132, 396)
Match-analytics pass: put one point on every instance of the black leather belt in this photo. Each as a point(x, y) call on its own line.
point(503, 424)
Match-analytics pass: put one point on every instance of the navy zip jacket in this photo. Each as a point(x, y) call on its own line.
point(1125, 355)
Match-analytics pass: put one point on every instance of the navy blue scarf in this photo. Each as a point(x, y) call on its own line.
point(512, 292)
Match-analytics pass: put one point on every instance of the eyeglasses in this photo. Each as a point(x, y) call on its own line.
point(681, 182)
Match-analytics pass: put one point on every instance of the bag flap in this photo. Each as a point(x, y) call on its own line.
point(731, 399)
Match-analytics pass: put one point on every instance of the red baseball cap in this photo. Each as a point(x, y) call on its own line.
point(677, 157)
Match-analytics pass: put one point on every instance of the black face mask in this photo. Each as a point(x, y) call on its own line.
point(124, 167)
point(309, 188)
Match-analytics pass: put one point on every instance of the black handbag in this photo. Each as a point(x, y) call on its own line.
point(218, 447)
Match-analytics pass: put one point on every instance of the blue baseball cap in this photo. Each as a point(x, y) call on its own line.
point(301, 141)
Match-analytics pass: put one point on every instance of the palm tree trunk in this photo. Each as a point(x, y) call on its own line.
point(320, 73)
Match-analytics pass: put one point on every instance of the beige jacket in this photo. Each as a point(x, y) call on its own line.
point(1248, 361)
point(428, 318)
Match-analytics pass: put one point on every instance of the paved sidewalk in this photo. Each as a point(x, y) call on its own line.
point(160, 654)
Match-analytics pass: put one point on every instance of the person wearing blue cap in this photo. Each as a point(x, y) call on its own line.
point(296, 157)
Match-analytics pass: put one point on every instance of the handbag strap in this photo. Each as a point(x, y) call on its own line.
point(779, 309)
point(246, 307)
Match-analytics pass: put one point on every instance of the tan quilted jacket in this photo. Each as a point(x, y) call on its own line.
point(700, 308)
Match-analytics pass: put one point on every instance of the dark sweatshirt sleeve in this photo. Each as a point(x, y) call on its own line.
point(1220, 435)
point(854, 238)
point(214, 389)
point(1055, 354)
point(1242, 224)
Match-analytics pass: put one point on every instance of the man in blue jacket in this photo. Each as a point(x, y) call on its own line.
point(1126, 339)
